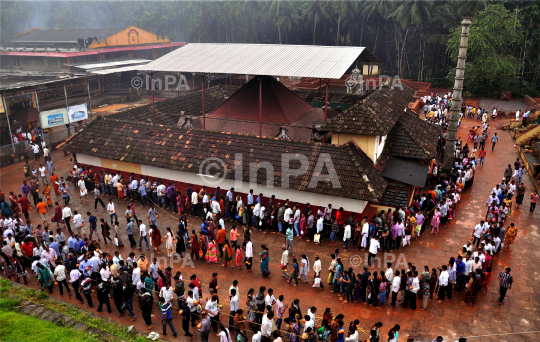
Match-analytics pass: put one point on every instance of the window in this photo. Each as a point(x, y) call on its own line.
point(52, 62)
point(27, 61)
point(40, 61)
point(16, 61)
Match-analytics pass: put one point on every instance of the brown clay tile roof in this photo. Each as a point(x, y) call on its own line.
point(413, 138)
point(314, 96)
point(186, 150)
point(168, 111)
point(375, 114)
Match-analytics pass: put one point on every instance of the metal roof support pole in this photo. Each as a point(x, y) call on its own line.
point(260, 107)
point(320, 85)
point(326, 107)
point(203, 115)
point(9, 125)
point(153, 102)
point(67, 108)
point(89, 98)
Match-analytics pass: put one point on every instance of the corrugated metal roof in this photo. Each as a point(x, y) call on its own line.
point(261, 59)
point(91, 66)
point(114, 70)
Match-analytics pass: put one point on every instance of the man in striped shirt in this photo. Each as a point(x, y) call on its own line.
point(506, 280)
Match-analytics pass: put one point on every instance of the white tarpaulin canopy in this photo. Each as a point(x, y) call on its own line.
point(261, 59)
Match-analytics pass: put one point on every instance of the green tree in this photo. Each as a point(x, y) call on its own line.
point(494, 37)
point(411, 13)
point(314, 11)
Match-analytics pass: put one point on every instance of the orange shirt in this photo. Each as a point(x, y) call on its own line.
point(220, 236)
point(42, 207)
point(234, 235)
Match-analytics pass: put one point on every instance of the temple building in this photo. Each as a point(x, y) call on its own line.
point(360, 152)
point(62, 50)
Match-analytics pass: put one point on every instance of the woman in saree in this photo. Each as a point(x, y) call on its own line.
point(203, 246)
point(265, 260)
point(510, 205)
point(57, 218)
point(9, 266)
point(238, 257)
point(55, 183)
point(228, 254)
point(211, 252)
point(13, 203)
point(303, 225)
point(180, 204)
point(47, 193)
point(156, 239)
point(511, 234)
point(194, 245)
point(251, 305)
point(44, 277)
point(169, 242)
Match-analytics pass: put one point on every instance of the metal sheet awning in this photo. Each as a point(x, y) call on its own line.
point(114, 70)
point(407, 172)
point(92, 66)
point(262, 59)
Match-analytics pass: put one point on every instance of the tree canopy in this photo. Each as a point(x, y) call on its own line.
point(415, 39)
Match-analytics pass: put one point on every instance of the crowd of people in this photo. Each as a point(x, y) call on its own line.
point(78, 264)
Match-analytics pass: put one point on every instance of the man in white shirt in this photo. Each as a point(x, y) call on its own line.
point(136, 274)
point(373, 249)
point(249, 255)
point(35, 149)
point(66, 216)
point(41, 170)
point(284, 262)
point(468, 265)
point(212, 309)
point(317, 267)
point(266, 326)
point(234, 306)
point(60, 276)
point(320, 224)
point(167, 292)
point(389, 272)
point(443, 281)
point(230, 194)
point(396, 284)
point(82, 189)
point(347, 236)
point(161, 189)
point(216, 208)
point(270, 300)
point(477, 233)
point(78, 221)
point(287, 216)
point(143, 235)
point(257, 337)
point(112, 212)
point(194, 203)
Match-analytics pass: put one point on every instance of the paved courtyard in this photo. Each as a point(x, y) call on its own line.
point(452, 319)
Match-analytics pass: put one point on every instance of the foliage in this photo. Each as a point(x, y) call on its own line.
point(411, 38)
point(39, 297)
point(493, 37)
point(19, 327)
